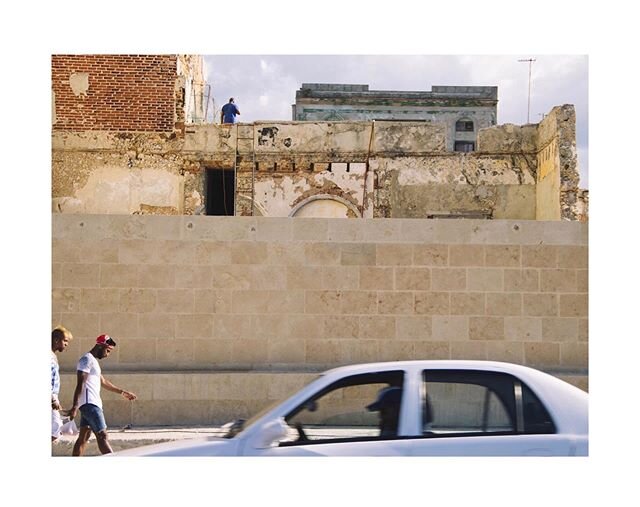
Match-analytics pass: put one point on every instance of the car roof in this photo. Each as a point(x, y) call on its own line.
point(462, 364)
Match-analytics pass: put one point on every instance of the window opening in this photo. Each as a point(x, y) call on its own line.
point(464, 146)
point(464, 126)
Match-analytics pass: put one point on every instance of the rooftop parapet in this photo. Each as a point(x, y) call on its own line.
point(325, 90)
point(329, 87)
point(490, 92)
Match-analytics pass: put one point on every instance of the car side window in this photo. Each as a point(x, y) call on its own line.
point(354, 408)
point(462, 402)
point(536, 417)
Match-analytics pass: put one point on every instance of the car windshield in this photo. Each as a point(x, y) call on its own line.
point(239, 425)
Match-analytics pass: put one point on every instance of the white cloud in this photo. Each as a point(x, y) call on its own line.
point(264, 86)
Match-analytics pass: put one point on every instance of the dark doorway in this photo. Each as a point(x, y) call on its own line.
point(220, 191)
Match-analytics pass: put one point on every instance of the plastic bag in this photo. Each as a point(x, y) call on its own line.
point(69, 428)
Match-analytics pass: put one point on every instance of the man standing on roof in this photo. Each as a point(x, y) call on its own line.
point(86, 397)
point(229, 112)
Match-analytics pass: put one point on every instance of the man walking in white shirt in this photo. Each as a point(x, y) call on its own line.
point(86, 397)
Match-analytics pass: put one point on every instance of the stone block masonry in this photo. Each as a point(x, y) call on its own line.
point(191, 299)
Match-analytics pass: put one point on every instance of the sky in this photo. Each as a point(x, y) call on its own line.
point(264, 86)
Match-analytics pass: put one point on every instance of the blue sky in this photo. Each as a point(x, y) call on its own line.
point(264, 86)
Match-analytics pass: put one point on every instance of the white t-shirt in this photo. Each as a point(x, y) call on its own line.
point(91, 390)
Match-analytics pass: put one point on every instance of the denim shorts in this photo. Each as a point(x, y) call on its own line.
point(93, 417)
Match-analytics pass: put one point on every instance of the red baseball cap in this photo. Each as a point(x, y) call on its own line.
point(105, 339)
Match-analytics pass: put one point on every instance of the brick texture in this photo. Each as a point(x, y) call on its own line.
point(125, 93)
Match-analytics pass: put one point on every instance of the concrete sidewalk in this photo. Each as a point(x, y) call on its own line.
point(127, 438)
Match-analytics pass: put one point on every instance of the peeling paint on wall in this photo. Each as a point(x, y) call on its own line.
point(267, 136)
point(79, 83)
point(117, 190)
point(404, 166)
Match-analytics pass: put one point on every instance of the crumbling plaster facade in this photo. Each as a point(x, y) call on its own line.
point(353, 169)
point(191, 78)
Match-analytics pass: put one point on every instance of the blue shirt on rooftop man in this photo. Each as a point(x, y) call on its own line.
point(229, 112)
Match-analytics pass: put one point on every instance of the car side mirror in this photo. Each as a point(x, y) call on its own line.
point(271, 433)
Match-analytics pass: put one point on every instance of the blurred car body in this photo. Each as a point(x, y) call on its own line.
point(441, 408)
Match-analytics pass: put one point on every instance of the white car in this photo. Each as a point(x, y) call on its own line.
point(410, 408)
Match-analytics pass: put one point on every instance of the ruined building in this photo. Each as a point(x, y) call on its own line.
point(463, 109)
point(126, 140)
point(216, 316)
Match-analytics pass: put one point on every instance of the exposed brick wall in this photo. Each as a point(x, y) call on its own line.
point(125, 92)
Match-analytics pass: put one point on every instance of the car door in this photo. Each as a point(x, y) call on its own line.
point(483, 413)
point(346, 447)
point(358, 415)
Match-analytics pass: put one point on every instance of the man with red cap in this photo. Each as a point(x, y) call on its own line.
point(86, 397)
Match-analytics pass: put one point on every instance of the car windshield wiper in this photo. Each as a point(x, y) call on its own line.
point(233, 428)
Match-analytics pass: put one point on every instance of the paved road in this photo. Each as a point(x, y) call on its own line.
point(135, 437)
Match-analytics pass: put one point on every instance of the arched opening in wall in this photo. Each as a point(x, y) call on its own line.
point(220, 188)
point(325, 206)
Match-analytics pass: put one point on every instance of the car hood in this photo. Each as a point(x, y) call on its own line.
point(205, 446)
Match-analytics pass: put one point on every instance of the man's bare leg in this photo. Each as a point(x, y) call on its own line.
point(103, 442)
point(81, 443)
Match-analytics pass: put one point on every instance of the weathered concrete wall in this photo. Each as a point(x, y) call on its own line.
point(582, 205)
point(371, 169)
point(548, 190)
point(286, 194)
point(210, 294)
point(498, 186)
point(558, 177)
point(280, 166)
point(118, 173)
point(549, 149)
point(508, 138)
point(325, 141)
point(192, 79)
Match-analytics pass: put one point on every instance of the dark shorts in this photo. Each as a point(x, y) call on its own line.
point(93, 417)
